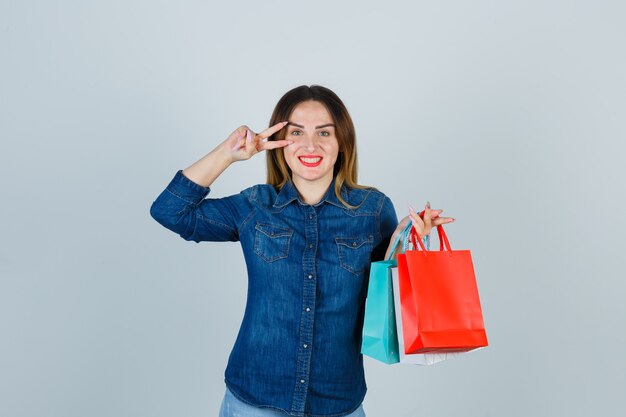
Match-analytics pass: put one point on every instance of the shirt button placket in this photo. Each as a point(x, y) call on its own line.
point(309, 284)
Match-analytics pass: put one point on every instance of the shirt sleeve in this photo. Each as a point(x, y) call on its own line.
point(388, 223)
point(183, 209)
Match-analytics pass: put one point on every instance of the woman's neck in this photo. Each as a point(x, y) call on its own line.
point(312, 192)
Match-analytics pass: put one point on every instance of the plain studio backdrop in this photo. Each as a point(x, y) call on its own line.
point(508, 115)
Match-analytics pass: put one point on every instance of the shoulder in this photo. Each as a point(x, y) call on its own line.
point(369, 199)
point(264, 194)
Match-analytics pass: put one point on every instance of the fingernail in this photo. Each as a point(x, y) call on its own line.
point(285, 122)
point(411, 208)
point(428, 204)
point(249, 136)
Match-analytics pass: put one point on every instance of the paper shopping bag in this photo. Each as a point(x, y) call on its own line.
point(379, 336)
point(413, 358)
point(379, 326)
point(439, 299)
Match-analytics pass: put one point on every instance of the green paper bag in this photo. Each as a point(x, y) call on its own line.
point(380, 337)
point(380, 334)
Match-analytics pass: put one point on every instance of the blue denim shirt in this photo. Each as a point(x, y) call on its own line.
point(298, 348)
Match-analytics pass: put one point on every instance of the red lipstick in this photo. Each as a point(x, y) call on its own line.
point(311, 160)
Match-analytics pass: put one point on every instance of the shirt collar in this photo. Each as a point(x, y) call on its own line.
point(289, 193)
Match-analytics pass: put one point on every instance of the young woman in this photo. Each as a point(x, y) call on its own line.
point(308, 237)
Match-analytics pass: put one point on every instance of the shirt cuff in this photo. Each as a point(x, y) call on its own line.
point(182, 187)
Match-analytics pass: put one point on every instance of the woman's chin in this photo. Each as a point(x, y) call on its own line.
point(310, 176)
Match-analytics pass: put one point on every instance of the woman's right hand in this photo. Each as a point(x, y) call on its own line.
point(243, 143)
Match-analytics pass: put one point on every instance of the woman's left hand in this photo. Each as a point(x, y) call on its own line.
point(421, 226)
point(431, 219)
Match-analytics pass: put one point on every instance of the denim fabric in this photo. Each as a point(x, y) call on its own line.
point(298, 348)
point(233, 407)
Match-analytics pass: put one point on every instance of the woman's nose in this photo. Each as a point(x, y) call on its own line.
point(309, 142)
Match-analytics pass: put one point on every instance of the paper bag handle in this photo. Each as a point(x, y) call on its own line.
point(443, 239)
point(403, 235)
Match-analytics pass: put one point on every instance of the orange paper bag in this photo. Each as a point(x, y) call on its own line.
point(439, 299)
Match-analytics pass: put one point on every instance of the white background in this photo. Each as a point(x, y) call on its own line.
point(509, 115)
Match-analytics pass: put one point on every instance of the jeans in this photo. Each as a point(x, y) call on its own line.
point(233, 407)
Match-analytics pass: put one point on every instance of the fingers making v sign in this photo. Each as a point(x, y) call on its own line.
point(244, 143)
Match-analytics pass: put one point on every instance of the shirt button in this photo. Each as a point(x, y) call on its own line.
point(310, 216)
point(302, 381)
point(311, 246)
point(310, 276)
point(353, 243)
point(305, 346)
point(308, 309)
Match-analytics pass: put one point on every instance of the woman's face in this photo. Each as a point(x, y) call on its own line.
point(315, 148)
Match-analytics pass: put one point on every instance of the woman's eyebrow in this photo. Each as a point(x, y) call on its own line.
point(317, 127)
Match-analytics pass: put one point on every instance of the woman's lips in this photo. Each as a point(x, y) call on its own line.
point(310, 161)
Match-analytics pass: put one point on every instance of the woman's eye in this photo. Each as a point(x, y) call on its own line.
point(299, 133)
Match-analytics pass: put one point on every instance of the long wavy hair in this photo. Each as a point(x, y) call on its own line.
point(345, 169)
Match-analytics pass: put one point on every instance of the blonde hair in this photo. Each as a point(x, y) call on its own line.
point(345, 170)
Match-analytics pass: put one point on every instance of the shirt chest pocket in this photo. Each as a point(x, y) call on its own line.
point(271, 242)
point(354, 252)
